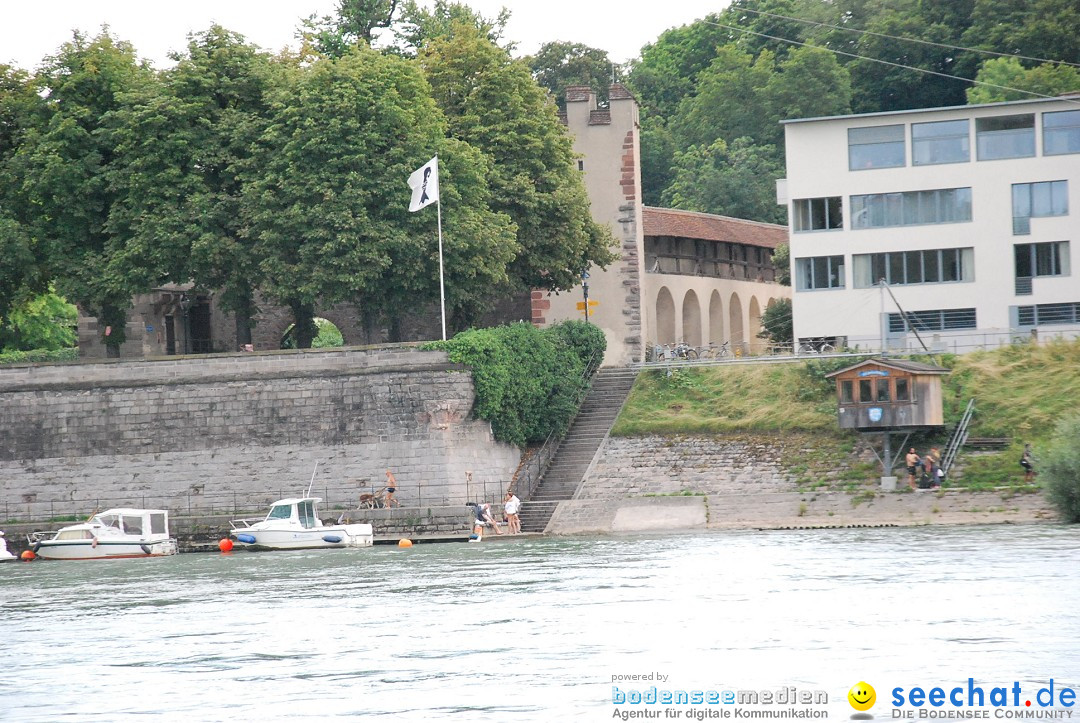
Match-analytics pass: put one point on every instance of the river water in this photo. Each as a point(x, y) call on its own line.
point(535, 630)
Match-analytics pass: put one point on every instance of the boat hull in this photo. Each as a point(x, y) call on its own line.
point(359, 535)
point(104, 549)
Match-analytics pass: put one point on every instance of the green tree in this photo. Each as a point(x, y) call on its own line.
point(66, 168)
point(781, 258)
point(45, 321)
point(809, 83)
point(420, 24)
point(1047, 29)
point(728, 98)
point(355, 21)
point(326, 197)
point(1059, 469)
point(776, 323)
point(737, 180)
point(559, 64)
point(21, 112)
point(493, 103)
point(181, 149)
point(1000, 74)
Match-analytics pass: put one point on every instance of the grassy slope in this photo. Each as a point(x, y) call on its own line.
point(1021, 391)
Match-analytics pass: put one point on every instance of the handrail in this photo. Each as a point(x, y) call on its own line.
point(959, 436)
point(531, 481)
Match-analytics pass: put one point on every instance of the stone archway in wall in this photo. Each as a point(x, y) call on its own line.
point(756, 342)
point(735, 323)
point(691, 319)
point(665, 317)
point(716, 319)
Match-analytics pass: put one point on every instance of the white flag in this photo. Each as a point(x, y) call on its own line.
point(425, 185)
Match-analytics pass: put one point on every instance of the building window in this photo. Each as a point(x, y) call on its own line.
point(1006, 136)
point(931, 266)
point(940, 142)
point(936, 320)
point(866, 390)
point(1043, 314)
point(902, 393)
point(819, 272)
point(881, 210)
point(818, 214)
point(1048, 198)
point(1061, 132)
point(847, 393)
point(1045, 259)
point(876, 147)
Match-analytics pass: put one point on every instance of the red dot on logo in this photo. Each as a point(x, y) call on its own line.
point(1027, 703)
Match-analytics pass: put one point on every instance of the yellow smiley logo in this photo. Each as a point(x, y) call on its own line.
point(862, 696)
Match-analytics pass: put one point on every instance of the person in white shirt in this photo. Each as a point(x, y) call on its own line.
point(511, 505)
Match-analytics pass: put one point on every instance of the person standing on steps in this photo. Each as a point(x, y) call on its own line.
point(511, 504)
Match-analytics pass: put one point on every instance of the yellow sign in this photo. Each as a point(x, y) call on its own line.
point(593, 303)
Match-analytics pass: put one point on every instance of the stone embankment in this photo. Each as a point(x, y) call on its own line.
point(687, 483)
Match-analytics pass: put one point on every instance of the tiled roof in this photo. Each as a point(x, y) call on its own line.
point(618, 91)
point(577, 93)
point(707, 226)
point(905, 365)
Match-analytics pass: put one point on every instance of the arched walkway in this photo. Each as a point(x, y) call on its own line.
point(755, 326)
point(691, 319)
point(735, 322)
point(665, 317)
point(716, 319)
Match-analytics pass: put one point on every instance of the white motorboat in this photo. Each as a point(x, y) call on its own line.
point(5, 555)
point(294, 524)
point(116, 533)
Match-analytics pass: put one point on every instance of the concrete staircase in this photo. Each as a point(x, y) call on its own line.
point(592, 424)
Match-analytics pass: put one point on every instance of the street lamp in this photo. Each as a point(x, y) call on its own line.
point(185, 307)
point(585, 291)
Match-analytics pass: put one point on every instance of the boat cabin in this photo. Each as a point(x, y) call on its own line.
point(135, 522)
point(883, 394)
point(301, 511)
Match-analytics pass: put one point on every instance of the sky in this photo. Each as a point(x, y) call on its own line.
point(29, 31)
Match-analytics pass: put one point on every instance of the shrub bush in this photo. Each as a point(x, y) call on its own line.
point(39, 355)
point(529, 381)
point(1059, 469)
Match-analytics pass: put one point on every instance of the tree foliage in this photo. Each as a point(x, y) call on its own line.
point(776, 323)
point(326, 198)
point(182, 146)
point(492, 103)
point(529, 381)
point(66, 169)
point(559, 64)
point(45, 322)
point(1059, 468)
point(1006, 79)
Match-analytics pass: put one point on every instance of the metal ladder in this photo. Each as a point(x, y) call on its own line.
point(959, 436)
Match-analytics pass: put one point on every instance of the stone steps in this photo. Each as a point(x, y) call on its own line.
point(591, 426)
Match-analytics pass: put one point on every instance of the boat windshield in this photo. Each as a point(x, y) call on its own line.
point(109, 520)
point(280, 512)
point(307, 513)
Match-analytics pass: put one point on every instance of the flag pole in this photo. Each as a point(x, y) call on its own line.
point(442, 288)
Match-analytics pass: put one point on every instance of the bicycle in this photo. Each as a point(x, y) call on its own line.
point(715, 351)
point(816, 347)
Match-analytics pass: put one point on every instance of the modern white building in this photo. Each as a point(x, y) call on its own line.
point(967, 213)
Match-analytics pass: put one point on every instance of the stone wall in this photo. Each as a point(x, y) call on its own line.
point(233, 431)
point(666, 484)
point(672, 465)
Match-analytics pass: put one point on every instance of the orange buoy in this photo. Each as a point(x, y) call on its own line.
point(27, 555)
point(405, 542)
point(225, 544)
